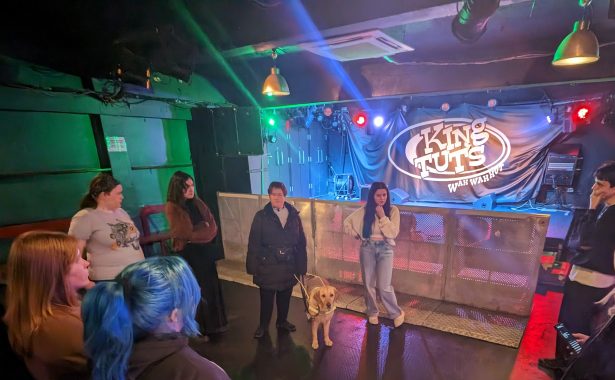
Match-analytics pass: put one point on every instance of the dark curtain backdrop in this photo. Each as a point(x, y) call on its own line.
point(519, 179)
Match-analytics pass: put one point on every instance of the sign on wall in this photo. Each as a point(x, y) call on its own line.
point(458, 156)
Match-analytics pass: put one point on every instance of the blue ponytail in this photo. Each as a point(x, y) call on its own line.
point(108, 330)
point(134, 306)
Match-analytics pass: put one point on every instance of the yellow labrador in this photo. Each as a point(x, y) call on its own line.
point(321, 307)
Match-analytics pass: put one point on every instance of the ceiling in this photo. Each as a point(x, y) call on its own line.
point(229, 42)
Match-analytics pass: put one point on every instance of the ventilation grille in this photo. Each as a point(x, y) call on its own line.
point(370, 44)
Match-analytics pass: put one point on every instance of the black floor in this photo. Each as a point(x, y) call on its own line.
point(360, 351)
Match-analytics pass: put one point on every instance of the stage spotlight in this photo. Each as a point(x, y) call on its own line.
point(271, 122)
point(491, 103)
point(549, 119)
point(378, 121)
point(581, 114)
point(445, 107)
point(272, 139)
point(360, 119)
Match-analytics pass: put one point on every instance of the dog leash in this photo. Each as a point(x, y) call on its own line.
point(305, 293)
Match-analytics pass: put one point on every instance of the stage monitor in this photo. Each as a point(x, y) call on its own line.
point(398, 196)
point(485, 203)
point(562, 162)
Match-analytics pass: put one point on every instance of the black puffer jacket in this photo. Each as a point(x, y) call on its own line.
point(266, 237)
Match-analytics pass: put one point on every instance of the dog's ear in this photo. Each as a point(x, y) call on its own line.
point(313, 302)
point(334, 294)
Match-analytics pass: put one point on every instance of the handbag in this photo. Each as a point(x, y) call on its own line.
point(283, 254)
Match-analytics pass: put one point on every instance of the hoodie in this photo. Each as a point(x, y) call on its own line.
point(169, 358)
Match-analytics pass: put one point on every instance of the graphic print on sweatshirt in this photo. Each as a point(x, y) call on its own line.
point(124, 234)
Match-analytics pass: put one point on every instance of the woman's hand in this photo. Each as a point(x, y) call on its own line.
point(581, 338)
point(379, 212)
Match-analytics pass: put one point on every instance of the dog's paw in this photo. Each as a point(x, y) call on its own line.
point(328, 342)
point(315, 345)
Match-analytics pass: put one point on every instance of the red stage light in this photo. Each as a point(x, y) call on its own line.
point(360, 119)
point(581, 114)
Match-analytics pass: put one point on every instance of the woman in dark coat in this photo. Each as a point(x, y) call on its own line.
point(193, 227)
point(276, 252)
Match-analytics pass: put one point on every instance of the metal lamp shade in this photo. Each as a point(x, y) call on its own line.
point(275, 84)
point(579, 47)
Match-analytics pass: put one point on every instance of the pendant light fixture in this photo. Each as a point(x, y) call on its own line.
point(275, 84)
point(580, 46)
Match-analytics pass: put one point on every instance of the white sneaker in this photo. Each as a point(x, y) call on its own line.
point(399, 320)
point(373, 320)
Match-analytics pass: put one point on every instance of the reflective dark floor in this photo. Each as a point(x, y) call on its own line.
point(360, 351)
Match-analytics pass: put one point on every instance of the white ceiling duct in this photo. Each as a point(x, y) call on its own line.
point(363, 45)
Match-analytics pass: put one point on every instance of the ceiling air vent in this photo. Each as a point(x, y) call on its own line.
point(370, 44)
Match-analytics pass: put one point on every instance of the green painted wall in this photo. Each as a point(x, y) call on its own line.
point(48, 149)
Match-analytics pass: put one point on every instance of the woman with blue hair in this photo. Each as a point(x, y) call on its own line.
point(137, 326)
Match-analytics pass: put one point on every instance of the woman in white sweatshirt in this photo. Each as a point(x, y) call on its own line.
point(377, 225)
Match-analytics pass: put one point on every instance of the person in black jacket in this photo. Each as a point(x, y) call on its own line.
point(592, 275)
point(276, 252)
point(595, 361)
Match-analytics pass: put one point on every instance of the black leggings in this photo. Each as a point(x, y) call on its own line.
point(282, 298)
point(211, 313)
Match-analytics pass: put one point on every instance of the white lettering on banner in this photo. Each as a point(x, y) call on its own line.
point(457, 150)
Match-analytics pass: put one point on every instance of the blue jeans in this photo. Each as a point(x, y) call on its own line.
point(377, 271)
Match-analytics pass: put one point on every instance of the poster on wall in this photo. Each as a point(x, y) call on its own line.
point(457, 156)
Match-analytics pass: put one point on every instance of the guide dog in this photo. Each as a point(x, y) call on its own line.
point(321, 305)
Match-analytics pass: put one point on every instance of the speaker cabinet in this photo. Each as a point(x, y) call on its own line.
point(365, 192)
point(237, 131)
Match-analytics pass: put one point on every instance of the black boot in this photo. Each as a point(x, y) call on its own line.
point(286, 326)
point(260, 332)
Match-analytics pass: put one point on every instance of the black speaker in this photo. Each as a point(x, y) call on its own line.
point(237, 131)
point(485, 203)
point(398, 196)
point(365, 192)
point(249, 131)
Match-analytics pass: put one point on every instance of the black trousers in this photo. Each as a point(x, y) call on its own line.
point(578, 310)
point(282, 298)
point(210, 313)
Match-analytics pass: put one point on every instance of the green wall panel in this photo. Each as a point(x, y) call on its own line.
point(31, 100)
point(151, 145)
point(151, 184)
point(42, 141)
point(44, 197)
point(151, 142)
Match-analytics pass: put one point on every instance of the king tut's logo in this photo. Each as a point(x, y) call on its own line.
point(455, 150)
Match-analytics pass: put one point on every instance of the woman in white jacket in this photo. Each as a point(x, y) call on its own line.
point(377, 225)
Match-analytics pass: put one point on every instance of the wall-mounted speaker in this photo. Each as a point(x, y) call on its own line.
point(237, 131)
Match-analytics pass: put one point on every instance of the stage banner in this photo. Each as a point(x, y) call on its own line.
point(458, 156)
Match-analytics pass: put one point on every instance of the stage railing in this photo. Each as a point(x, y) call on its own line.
point(483, 259)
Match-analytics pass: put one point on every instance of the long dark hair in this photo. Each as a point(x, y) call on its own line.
point(177, 185)
point(102, 183)
point(370, 208)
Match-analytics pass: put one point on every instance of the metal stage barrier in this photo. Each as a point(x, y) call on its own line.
point(467, 272)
